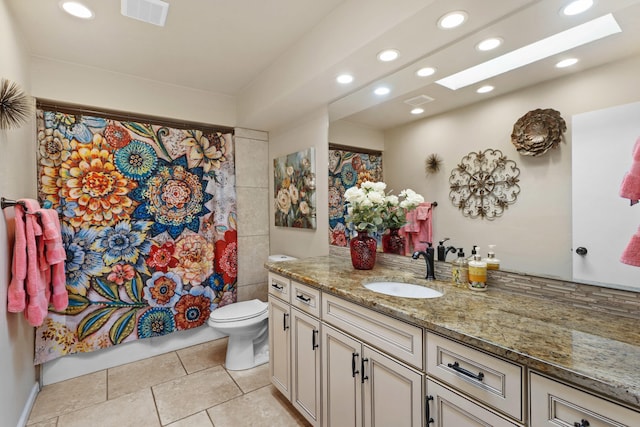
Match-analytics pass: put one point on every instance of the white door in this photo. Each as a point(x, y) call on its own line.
point(305, 365)
point(279, 346)
point(341, 384)
point(603, 222)
point(393, 393)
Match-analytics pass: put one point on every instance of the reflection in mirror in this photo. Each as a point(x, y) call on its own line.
point(534, 235)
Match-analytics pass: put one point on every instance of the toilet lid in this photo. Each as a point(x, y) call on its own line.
point(239, 311)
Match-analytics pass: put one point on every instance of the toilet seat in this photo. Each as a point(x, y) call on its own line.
point(239, 311)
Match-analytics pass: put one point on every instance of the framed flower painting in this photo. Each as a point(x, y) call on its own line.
point(294, 178)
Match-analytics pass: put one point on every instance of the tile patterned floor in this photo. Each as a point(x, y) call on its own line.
point(184, 388)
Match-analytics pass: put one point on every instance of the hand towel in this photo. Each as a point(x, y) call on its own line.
point(36, 287)
point(16, 295)
point(630, 187)
point(631, 254)
point(55, 257)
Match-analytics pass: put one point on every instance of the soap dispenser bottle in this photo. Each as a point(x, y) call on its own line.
point(473, 253)
point(477, 273)
point(442, 254)
point(460, 270)
point(493, 263)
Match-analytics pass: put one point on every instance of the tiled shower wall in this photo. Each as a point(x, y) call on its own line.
point(614, 301)
point(252, 168)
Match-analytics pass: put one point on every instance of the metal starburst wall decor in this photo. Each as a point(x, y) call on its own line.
point(15, 106)
point(484, 184)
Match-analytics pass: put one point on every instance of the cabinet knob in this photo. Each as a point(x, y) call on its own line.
point(581, 251)
point(582, 423)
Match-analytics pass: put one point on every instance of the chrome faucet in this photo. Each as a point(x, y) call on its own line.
point(428, 257)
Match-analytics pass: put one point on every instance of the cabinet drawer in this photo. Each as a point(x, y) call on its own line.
point(279, 286)
point(557, 404)
point(393, 336)
point(305, 298)
point(448, 408)
point(490, 380)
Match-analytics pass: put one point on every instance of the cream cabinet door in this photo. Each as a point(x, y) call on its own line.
point(448, 408)
point(280, 345)
point(393, 393)
point(341, 383)
point(555, 404)
point(305, 365)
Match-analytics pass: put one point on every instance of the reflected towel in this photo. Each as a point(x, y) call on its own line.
point(631, 254)
point(630, 187)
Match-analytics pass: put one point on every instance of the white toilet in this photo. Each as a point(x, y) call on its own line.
point(246, 324)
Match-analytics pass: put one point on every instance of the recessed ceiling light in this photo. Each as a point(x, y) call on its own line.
point(388, 55)
point(452, 19)
point(489, 44)
point(382, 90)
point(417, 110)
point(344, 79)
point(573, 37)
point(425, 72)
point(576, 7)
point(77, 9)
point(566, 63)
point(485, 89)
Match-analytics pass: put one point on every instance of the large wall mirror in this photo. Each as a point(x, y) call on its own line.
point(537, 235)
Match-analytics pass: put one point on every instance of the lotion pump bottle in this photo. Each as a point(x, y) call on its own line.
point(460, 270)
point(477, 274)
point(493, 263)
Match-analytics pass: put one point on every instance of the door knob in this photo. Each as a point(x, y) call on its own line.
point(581, 250)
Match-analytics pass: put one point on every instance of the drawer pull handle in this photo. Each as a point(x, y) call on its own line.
point(353, 365)
point(303, 299)
point(277, 287)
point(428, 410)
point(314, 339)
point(582, 423)
point(284, 322)
point(456, 367)
point(363, 377)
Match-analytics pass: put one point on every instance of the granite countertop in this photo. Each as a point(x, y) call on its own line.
point(595, 350)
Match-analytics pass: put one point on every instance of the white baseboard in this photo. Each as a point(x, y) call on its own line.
point(28, 405)
point(75, 365)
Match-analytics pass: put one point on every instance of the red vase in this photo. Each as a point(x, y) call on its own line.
point(363, 251)
point(392, 242)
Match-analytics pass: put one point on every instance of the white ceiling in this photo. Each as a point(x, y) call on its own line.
point(279, 58)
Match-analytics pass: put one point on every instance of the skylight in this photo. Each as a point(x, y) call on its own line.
point(577, 36)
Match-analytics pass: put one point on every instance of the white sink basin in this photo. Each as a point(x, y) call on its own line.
point(406, 290)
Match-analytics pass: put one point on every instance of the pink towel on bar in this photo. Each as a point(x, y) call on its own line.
point(16, 295)
point(54, 258)
point(38, 303)
point(630, 187)
point(418, 229)
point(631, 254)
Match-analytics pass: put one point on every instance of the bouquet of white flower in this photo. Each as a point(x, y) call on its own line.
point(396, 208)
point(366, 206)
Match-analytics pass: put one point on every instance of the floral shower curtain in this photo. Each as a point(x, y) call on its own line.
point(148, 216)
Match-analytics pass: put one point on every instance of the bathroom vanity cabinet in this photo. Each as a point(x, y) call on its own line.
point(362, 385)
point(294, 344)
point(347, 357)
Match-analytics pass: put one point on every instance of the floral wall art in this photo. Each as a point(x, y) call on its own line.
point(294, 177)
point(148, 215)
point(348, 168)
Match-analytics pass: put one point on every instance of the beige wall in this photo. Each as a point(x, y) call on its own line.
point(343, 132)
point(309, 132)
point(541, 217)
point(17, 180)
